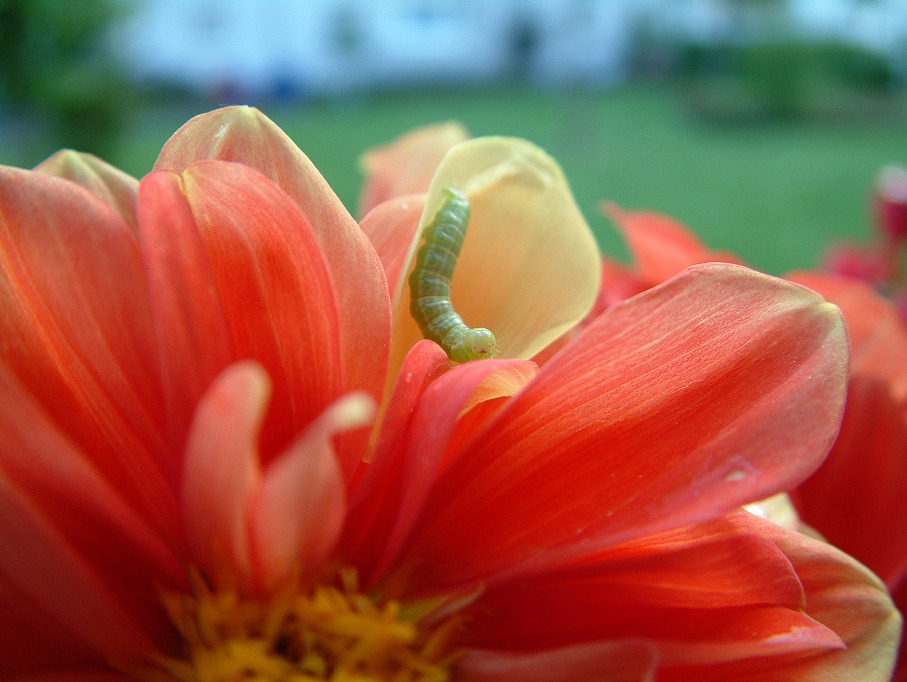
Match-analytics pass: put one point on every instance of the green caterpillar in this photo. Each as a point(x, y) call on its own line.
point(429, 285)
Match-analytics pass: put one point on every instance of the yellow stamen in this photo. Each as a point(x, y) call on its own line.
point(330, 632)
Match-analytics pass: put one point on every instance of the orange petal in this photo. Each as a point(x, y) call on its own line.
point(618, 283)
point(95, 529)
point(299, 507)
point(190, 319)
point(112, 186)
point(661, 246)
point(878, 339)
point(56, 580)
point(391, 227)
point(247, 136)
point(842, 595)
point(376, 491)
point(529, 269)
point(718, 388)
point(275, 291)
point(66, 486)
point(77, 332)
point(657, 590)
point(432, 426)
point(856, 498)
point(406, 165)
point(680, 590)
point(618, 661)
point(752, 626)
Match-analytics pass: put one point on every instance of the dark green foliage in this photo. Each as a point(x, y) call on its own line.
point(56, 70)
point(782, 79)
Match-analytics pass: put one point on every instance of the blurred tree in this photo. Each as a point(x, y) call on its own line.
point(56, 68)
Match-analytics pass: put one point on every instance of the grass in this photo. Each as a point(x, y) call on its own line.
point(776, 194)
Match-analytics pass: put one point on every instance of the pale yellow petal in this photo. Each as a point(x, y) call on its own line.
point(530, 266)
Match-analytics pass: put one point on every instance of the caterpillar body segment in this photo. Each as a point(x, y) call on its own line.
point(429, 283)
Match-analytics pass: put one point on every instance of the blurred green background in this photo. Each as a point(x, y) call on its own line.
point(765, 148)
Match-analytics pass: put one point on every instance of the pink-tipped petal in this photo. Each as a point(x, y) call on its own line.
point(299, 507)
point(222, 471)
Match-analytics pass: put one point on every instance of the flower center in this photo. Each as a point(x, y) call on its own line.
point(331, 632)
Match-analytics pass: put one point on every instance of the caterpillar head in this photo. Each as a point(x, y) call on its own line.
point(479, 343)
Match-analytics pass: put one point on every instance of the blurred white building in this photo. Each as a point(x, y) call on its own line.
point(327, 46)
point(333, 46)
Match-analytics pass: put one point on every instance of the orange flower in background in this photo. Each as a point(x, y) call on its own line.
point(193, 485)
point(660, 247)
point(408, 165)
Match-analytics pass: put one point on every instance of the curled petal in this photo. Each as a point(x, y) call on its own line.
point(112, 186)
point(734, 598)
point(298, 510)
point(658, 588)
point(406, 165)
point(529, 268)
point(433, 425)
point(718, 388)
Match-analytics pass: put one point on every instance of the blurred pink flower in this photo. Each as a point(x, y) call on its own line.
point(890, 203)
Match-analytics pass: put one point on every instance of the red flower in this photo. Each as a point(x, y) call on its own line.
point(186, 491)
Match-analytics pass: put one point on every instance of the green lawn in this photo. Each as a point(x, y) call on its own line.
point(775, 194)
